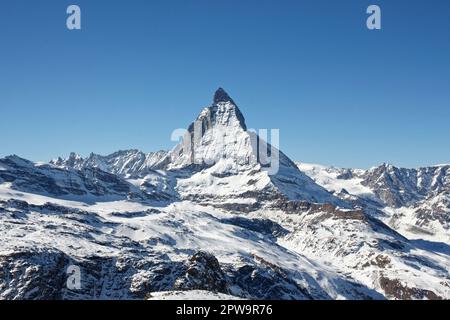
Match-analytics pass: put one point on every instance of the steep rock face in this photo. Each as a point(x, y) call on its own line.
point(203, 273)
point(268, 281)
point(429, 218)
point(132, 255)
point(218, 161)
point(229, 162)
point(375, 255)
point(436, 208)
point(32, 275)
point(419, 198)
point(217, 133)
point(139, 223)
point(398, 187)
point(412, 201)
point(41, 274)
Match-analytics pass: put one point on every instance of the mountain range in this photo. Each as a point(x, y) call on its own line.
point(212, 217)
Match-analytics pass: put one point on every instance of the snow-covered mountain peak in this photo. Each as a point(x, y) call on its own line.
point(217, 159)
point(138, 223)
point(223, 112)
point(74, 160)
point(229, 162)
point(129, 163)
point(16, 160)
point(219, 132)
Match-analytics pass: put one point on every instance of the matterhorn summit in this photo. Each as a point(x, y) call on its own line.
point(217, 160)
point(219, 132)
point(229, 162)
point(222, 214)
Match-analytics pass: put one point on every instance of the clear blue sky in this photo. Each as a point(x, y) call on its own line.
point(339, 93)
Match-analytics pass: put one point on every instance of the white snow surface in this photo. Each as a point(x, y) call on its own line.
point(321, 255)
point(405, 219)
point(318, 230)
point(327, 177)
point(191, 295)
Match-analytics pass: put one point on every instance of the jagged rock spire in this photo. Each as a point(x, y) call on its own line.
point(222, 96)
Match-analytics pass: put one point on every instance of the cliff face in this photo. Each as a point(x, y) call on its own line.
point(213, 216)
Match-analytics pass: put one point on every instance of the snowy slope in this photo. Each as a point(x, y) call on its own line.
point(88, 184)
point(132, 247)
point(415, 202)
point(316, 254)
point(190, 295)
point(210, 219)
point(218, 160)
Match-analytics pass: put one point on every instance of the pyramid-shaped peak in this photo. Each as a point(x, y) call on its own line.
point(222, 96)
point(225, 113)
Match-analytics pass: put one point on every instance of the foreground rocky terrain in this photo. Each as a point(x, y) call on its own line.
point(211, 218)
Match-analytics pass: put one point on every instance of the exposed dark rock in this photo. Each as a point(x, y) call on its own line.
point(32, 275)
point(267, 281)
point(203, 273)
point(263, 226)
point(329, 210)
point(221, 96)
point(394, 288)
point(398, 187)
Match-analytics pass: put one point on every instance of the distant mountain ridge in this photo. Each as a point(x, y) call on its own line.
point(414, 199)
point(124, 163)
point(217, 158)
point(211, 218)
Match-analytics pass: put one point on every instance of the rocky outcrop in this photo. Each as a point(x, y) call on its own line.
point(395, 289)
point(136, 223)
point(32, 275)
point(203, 273)
point(398, 187)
